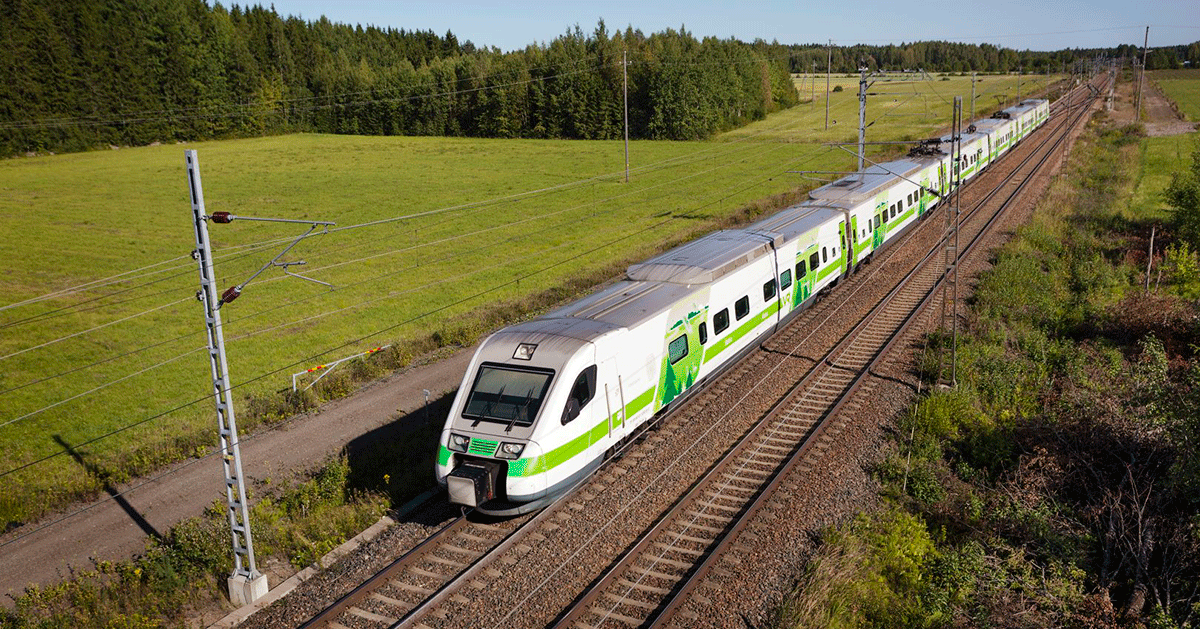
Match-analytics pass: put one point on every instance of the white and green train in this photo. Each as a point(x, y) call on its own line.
point(544, 402)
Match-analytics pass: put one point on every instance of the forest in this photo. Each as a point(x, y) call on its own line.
point(84, 75)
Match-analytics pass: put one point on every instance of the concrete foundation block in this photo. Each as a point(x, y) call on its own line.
point(246, 590)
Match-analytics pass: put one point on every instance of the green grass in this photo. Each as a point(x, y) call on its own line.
point(1183, 87)
point(1161, 156)
point(76, 218)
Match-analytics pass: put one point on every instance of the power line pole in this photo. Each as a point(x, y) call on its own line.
point(862, 115)
point(1020, 71)
point(1137, 107)
point(812, 86)
point(828, 68)
point(625, 89)
point(950, 255)
point(246, 584)
point(973, 79)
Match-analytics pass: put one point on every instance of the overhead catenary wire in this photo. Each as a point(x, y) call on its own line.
point(313, 357)
point(264, 243)
point(382, 276)
point(216, 451)
point(396, 219)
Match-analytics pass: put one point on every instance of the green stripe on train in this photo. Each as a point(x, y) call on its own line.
point(567, 451)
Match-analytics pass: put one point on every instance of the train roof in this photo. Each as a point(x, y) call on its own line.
point(862, 186)
point(705, 260)
point(622, 305)
point(796, 221)
point(989, 125)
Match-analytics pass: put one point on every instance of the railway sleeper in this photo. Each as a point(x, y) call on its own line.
point(605, 614)
point(649, 589)
point(630, 602)
point(677, 549)
point(372, 616)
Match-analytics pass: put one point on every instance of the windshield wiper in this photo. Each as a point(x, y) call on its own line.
point(525, 408)
point(487, 410)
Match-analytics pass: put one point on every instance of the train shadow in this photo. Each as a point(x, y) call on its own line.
point(397, 459)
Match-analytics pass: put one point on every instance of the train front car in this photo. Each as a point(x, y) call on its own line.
point(523, 385)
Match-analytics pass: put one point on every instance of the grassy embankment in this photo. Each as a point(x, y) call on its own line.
point(135, 212)
point(1056, 486)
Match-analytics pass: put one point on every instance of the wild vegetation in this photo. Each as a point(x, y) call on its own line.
point(1056, 485)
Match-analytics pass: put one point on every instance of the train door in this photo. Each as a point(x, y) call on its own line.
point(613, 398)
point(787, 281)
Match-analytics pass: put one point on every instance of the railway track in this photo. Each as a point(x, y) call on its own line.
point(651, 580)
point(649, 585)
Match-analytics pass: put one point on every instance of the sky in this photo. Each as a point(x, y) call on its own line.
point(1020, 24)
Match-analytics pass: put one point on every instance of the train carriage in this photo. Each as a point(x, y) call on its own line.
point(545, 401)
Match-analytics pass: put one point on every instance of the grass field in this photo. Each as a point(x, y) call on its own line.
point(121, 363)
point(1183, 87)
point(1161, 156)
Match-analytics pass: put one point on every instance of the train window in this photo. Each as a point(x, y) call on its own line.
point(769, 290)
point(507, 394)
point(814, 262)
point(877, 223)
point(785, 280)
point(677, 349)
point(900, 205)
point(741, 308)
point(582, 392)
point(721, 321)
point(703, 332)
point(893, 211)
point(824, 255)
point(800, 270)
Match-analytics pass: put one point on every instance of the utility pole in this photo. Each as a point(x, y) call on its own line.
point(625, 89)
point(246, 584)
point(1020, 71)
point(812, 86)
point(862, 115)
point(828, 68)
point(972, 96)
point(1137, 107)
point(950, 255)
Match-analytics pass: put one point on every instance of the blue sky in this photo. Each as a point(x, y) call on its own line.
point(1034, 24)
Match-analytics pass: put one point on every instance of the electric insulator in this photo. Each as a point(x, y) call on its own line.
point(220, 217)
point(230, 294)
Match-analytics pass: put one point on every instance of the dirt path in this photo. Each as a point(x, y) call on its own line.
point(116, 529)
point(1159, 113)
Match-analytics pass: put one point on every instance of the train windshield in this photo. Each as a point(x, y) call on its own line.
point(506, 394)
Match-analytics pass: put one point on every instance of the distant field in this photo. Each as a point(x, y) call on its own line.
point(73, 219)
point(903, 109)
point(1183, 87)
point(1161, 157)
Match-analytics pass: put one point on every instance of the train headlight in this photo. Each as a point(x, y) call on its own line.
point(458, 443)
point(510, 450)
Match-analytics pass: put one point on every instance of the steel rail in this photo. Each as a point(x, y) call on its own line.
point(649, 539)
point(727, 542)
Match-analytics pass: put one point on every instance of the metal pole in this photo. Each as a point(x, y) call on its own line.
point(625, 89)
point(972, 96)
point(957, 215)
point(246, 584)
point(812, 86)
point(828, 68)
point(1137, 108)
point(862, 114)
point(1020, 71)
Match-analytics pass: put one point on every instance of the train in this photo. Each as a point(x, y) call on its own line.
point(544, 402)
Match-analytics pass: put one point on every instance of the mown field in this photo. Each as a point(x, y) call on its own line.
point(115, 369)
point(1183, 87)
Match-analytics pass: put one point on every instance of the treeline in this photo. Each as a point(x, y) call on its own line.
point(941, 56)
point(76, 75)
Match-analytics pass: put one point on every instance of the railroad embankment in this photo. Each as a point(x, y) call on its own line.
point(1056, 484)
